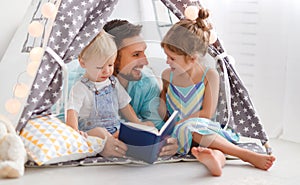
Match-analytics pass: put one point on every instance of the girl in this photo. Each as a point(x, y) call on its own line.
point(192, 88)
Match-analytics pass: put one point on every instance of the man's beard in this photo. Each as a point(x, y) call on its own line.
point(129, 77)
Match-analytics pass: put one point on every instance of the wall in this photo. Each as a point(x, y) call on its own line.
point(263, 37)
point(291, 88)
point(127, 9)
point(11, 16)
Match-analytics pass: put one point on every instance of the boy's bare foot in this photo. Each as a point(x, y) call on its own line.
point(261, 161)
point(214, 160)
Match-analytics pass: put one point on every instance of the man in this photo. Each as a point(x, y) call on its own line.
point(140, 82)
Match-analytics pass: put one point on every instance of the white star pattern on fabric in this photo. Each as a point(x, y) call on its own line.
point(65, 39)
point(244, 119)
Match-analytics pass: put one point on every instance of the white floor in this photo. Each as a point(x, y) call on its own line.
point(285, 171)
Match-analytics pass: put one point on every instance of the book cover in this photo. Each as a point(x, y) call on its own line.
point(144, 142)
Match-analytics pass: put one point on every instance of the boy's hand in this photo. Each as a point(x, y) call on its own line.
point(147, 123)
point(84, 134)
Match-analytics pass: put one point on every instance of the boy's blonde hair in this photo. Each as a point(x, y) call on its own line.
point(102, 47)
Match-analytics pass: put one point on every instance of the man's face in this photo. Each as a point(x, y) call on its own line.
point(132, 58)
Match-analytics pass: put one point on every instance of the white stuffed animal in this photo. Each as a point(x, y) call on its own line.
point(12, 152)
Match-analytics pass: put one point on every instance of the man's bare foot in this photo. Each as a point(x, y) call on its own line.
point(261, 161)
point(214, 160)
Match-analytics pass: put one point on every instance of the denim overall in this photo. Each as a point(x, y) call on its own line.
point(105, 108)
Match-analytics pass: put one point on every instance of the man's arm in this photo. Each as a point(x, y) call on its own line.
point(145, 98)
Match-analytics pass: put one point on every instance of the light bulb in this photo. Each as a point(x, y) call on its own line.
point(21, 90)
point(32, 67)
point(49, 10)
point(35, 29)
point(13, 106)
point(36, 54)
point(191, 12)
point(212, 37)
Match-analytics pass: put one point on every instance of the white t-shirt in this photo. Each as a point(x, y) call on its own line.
point(81, 99)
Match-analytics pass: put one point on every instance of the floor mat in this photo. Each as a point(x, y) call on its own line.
point(99, 160)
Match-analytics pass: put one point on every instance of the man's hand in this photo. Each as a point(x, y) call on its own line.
point(114, 148)
point(170, 147)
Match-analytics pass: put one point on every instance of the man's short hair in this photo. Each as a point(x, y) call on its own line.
point(122, 29)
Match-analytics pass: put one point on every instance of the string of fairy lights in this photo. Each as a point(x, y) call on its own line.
point(35, 29)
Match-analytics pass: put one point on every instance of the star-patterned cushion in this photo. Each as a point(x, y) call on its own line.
point(48, 140)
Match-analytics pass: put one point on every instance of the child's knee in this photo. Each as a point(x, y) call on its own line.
point(206, 140)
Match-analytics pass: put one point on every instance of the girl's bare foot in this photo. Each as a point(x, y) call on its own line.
point(260, 161)
point(214, 160)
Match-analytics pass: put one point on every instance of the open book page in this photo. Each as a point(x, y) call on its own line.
point(142, 127)
point(150, 128)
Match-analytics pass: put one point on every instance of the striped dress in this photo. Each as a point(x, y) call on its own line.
point(188, 100)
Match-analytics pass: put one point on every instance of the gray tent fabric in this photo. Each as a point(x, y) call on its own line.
point(177, 6)
point(76, 24)
point(78, 21)
point(235, 108)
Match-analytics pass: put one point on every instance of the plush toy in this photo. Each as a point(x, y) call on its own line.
point(12, 152)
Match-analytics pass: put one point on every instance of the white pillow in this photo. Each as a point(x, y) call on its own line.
point(48, 140)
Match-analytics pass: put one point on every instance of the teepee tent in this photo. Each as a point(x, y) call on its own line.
point(77, 22)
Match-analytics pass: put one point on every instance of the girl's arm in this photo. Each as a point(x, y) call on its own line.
point(211, 94)
point(162, 109)
point(210, 98)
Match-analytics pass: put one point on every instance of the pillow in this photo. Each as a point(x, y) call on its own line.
point(48, 140)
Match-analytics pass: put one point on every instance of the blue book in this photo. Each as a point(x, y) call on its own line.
point(144, 142)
